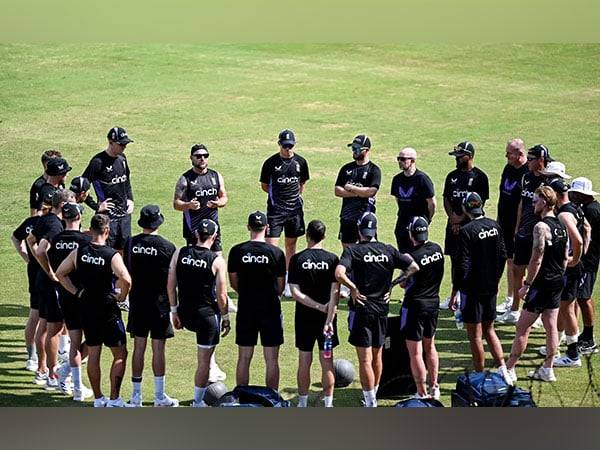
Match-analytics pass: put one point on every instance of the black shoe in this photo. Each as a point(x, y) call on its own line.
point(587, 347)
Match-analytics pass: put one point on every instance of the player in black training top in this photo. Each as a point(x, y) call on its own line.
point(538, 157)
point(544, 283)
point(420, 308)
point(51, 317)
point(508, 204)
point(197, 278)
point(96, 265)
point(56, 172)
point(479, 268)
point(414, 194)
point(283, 176)
point(315, 289)
point(581, 193)
point(35, 198)
point(147, 257)
point(372, 264)
point(257, 273)
point(464, 179)
point(61, 246)
point(108, 172)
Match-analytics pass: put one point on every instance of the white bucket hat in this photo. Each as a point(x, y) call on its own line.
point(556, 168)
point(583, 186)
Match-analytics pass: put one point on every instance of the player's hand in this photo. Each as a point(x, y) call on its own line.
point(175, 320)
point(225, 327)
point(357, 297)
point(349, 187)
point(523, 291)
point(194, 204)
point(106, 206)
point(212, 204)
point(129, 206)
point(570, 262)
point(453, 304)
point(328, 328)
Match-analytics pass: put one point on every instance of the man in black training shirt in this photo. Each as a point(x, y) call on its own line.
point(96, 265)
point(581, 193)
point(108, 172)
point(508, 205)
point(479, 267)
point(419, 314)
point(414, 194)
point(372, 264)
point(538, 157)
point(61, 245)
point(544, 283)
point(147, 257)
point(464, 179)
point(56, 172)
point(197, 278)
point(315, 289)
point(283, 176)
point(257, 273)
point(35, 199)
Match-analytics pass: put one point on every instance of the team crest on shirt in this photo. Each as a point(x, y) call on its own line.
point(470, 183)
point(348, 172)
point(508, 186)
point(453, 180)
point(365, 175)
point(278, 168)
point(406, 194)
point(297, 167)
point(194, 183)
point(213, 181)
point(109, 168)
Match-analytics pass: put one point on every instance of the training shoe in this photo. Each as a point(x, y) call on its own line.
point(566, 361)
point(135, 401)
point(418, 396)
point(588, 347)
point(166, 402)
point(434, 392)
point(502, 370)
point(31, 365)
point(65, 386)
point(117, 403)
point(538, 323)
point(52, 383)
point(505, 305)
point(100, 402)
point(79, 395)
point(40, 378)
point(542, 351)
point(216, 374)
point(63, 371)
point(542, 374)
point(231, 307)
point(200, 404)
point(509, 318)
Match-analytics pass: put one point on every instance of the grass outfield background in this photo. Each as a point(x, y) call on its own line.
point(235, 99)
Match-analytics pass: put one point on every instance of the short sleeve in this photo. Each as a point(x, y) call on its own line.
point(427, 186)
point(293, 275)
point(280, 268)
point(232, 260)
point(346, 259)
point(265, 172)
point(304, 175)
point(376, 177)
point(401, 260)
point(340, 178)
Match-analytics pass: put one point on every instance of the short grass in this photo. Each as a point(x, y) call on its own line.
point(235, 99)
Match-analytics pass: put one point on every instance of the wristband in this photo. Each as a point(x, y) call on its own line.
point(174, 309)
point(225, 317)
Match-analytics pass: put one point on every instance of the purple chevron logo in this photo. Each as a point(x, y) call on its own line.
point(508, 186)
point(406, 194)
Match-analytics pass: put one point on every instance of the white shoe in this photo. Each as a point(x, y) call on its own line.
point(344, 291)
point(542, 351)
point(538, 323)
point(166, 402)
point(40, 378)
point(565, 361)
point(52, 384)
point(79, 395)
point(505, 305)
point(66, 387)
point(502, 370)
point(421, 397)
point(231, 307)
point(434, 392)
point(135, 401)
point(542, 374)
point(100, 402)
point(117, 403)
point(63, 357)
point(287, 292)
point(63, 371)
point(509, 318)
point(84, 360)
point(216, 374)
point(200, 404)
point(31, 365)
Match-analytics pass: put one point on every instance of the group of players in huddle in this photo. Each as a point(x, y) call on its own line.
point(80, 281)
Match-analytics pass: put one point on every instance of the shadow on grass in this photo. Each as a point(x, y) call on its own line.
point(12, 310)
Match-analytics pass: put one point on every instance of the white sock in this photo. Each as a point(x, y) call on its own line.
point(328, 400)
point(302, 401)
point(63, 343)
point(561, 337)
point(76, 375)
point(159, 387)
point(376, 388)
point(213, 362)
point(199, 393)
point(137, 387)
point(571, 339)
point(370, 399)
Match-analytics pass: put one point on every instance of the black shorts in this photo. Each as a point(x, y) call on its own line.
point(249, 325)
point(120, 230)
point(585, 289)
point(451, 242)
point(348, 231)
point(217, 245)
point(71, 308)
point(308, 330)
point(523, 247)
point(540, 298)
point(403, 241)
point(48, 299)
point(478, 308)
point(571, 285)
point(152, 319)
point(292, 223)
point(508, 225)
point(34, 300)
point(110, 332)
point(418, 323)
point(366, 330)
point(206, 326)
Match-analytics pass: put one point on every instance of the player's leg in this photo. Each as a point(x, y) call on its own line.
point(137, 369)
point(303, 376)
point(201, 376)
point(94, 371)
point(519, 345)
point(327, 379)
point(242, 372)
point(417, 366)
point(271, 355)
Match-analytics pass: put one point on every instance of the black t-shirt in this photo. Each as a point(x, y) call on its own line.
point(258, 266)
point(423, 288)
point(110, 178)
point(411, 194)
point(576, 211)
point(481, 259)
point(95, 275)
point(591, 259)
point(313, 270)
point(459, 183)
point(147, 257)
point(203, 188)
point(63, 244)
point(35, 199)
point(372, 265)
point(284, 177)
point(367, 175)
point(528, 217)
point(21, 233)
point(196, 281)
point(47, 227)
point(510, 196)
point(551, 271)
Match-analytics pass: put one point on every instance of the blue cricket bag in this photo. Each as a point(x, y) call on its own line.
point(419, 403)
point(253, 397)
point(486, 389)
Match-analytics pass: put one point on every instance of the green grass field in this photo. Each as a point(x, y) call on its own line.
point(235, 99)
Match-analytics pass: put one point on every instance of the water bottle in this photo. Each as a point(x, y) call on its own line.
point(328, 345)
point(459, 320)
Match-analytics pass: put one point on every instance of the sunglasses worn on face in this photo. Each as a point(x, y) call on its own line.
point(201, 155)
point(531, 158)
point(403, 158)
point(287, 146)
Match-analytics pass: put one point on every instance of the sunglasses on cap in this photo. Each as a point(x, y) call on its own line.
point(403, 158)
point(201, 155)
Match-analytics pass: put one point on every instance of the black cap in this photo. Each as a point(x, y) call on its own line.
point(47, 193)
point(79, 185)
point(473, 203)
point(150, 217)
point(57, 166)
point(118, 135)
point(257, 219)
point(71, 210)
point(197, 147)
point(419, 228)
point(286, 137)
point(462, 149)
point(367, 226)
point(207, 227)
point(558, 185)
point(540, 151)
point(360, 142)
